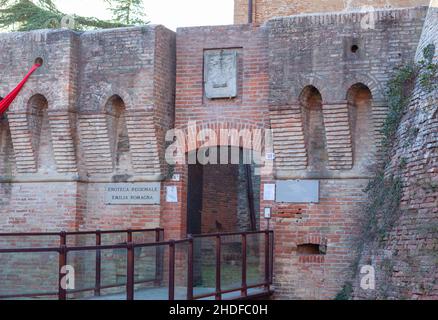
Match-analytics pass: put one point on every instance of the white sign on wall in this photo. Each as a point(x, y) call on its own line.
point(171, 194)
point(269, 192)
point(132, 193)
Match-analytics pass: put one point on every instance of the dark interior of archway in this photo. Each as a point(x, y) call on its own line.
point(222, 197)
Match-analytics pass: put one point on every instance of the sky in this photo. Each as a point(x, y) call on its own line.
point(170, 13)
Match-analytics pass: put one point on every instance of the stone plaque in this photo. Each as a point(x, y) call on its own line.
point(132, 193)
point(220, 73)
point(297, 191)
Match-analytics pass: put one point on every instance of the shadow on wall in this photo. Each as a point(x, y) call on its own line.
point(7, 159)
point(40, 133)
point(314, 130)
point(119, 140)
point(359, 100)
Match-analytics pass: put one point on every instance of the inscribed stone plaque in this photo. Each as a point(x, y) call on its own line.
point(132, 193)
point(297, 191)
point(220, 73)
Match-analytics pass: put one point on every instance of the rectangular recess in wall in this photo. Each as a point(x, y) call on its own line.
point(297, 191)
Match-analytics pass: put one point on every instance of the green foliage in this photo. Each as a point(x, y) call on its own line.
point(25, 15)
point(398, 96)
point(429, 77)
point(382, 208)
point(130, 12)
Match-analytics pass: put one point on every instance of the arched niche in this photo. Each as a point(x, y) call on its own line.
point(40, 133)
point(118, 133)
point(314, 130)
point(360, 100)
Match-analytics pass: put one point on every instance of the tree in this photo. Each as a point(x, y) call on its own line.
point(130, 12)
point(24, 15)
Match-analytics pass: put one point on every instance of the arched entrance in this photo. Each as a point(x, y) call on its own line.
point(223, 194)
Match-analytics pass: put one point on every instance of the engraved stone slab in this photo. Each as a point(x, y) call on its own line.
point(132, 193)
point(220, 73)
point(297, 191)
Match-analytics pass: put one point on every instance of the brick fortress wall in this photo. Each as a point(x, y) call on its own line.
point(405, 261)
point(106, 98)
point(263, 10)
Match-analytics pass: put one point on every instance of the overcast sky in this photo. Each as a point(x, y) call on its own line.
point(171, 13)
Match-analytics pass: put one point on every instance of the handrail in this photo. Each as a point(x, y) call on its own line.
point(25, 234)
point(63, 250)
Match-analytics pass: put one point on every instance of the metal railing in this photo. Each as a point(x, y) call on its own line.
point(63, 250)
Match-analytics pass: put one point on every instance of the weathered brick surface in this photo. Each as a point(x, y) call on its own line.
point(112, 95)
point(264, 10)
point(406, 261)
point(63, 128)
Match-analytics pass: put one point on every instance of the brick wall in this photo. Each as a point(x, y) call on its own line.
point(219, 209)
point(264, 10)
point(112, 94)
point(74, 126)
point(405, 260)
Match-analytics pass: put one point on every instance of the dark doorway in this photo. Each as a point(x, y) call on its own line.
point(223, 196)
point(194, 199)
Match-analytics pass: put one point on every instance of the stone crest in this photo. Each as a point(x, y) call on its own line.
point(220, 73)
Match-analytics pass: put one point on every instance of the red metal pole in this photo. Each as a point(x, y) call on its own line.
point(267, 259)
point(98, 264)
point(130, 272)
point(62, 292)
point(244, 290)
point(190, 269)
point(218, 268)
point(158, 259)
point(172, 270)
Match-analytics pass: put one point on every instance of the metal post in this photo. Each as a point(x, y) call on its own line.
point(172, 270)
point(267, 260)
point(158, 259)
point(190, 269)
point(244, 290)
point(129, 238)
point(62, 292)
point(98, 264)
point(218, 268)
point(130, 272)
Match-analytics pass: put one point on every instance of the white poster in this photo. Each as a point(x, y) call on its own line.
point(269, 192)
point(171, 194)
